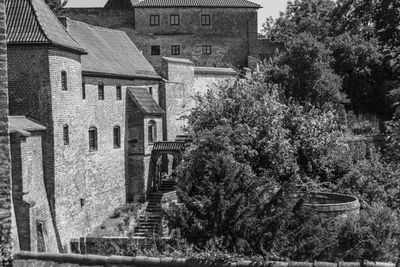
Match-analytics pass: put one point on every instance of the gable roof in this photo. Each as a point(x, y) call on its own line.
point(144, 100)
point(32, 22)
point(111, 52)
point(197, 3)
point(23, 125)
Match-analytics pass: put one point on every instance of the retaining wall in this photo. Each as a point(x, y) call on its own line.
point(28, 259)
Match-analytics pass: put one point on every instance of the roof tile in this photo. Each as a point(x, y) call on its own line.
point(32, 22)
point(110, 51)
point(145, 101)
point(196, 3)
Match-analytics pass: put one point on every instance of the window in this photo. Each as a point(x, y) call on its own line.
point(119, 92)
point(101, 91)
point(175, 50)
point(117, 137)
point(92, 139)
point(152, 134)
point(66, 134)
point(64, 82)
point(174, 20)
point(155, 50)
point(205, 20)
point(41, 239)
point(206, 49)
point(154, 20)
point(83, 91)
point(83, 201)
point(151, 90)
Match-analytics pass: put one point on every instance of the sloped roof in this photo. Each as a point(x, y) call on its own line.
point(212, 70)
point(169, 146)
point(23, 125)
point(196, 3)
point(85, 4)
point(110, 52)
point(143, 99)
point(32, 22)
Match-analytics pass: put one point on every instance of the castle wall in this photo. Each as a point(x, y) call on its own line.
point(232, 34)
point(29, 194)
point(5, 161)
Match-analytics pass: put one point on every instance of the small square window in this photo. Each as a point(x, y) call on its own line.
point(119, 92)
point(101, 91)
point(205, 20)
point(155, 50)
point(206, 49)
point(174, 20)
point(154, 20)
point(175, 50)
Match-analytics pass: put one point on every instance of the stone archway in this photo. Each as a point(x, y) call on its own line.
point(158, 169)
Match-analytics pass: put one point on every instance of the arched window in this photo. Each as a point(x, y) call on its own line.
point(152, 132)
point(64, 81)
point(66, 134)
point(92, 139)
point(117, 137)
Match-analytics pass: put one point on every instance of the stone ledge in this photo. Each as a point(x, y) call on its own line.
point(89, 260)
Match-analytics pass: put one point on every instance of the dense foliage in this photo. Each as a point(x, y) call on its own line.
point(255, 154)
point(57, 6)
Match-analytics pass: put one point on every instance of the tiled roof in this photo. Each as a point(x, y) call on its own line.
point(217, 71)
point(169, 146)
point(23, 125)
point(32, 22)
point(196, 3)
point(145, 101)
point(110, 52)
point(177, 60)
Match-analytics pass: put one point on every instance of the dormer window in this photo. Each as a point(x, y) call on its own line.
point(64, 81)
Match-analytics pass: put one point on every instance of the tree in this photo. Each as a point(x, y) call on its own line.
point(305, 71)
point(57, 6)
point(302, 16)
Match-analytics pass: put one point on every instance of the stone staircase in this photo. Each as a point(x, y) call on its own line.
point(150, 223)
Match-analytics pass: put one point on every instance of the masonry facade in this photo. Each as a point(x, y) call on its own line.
point(209, 33)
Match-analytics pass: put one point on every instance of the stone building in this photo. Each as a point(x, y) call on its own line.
point(74, 83)
point(34, 224)
point(207, 32)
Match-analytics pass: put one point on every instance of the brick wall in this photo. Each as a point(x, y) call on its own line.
point(29, 195)
point(5, 172)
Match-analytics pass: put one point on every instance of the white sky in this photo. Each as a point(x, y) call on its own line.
point(270, 7)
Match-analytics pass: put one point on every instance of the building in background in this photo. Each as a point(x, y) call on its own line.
point(215, 33)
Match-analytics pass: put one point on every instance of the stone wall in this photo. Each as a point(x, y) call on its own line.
point(232, 34)
point(182, 82)
point(29, 194)
point(27, 259)
point(83, 186)
point(5, 166)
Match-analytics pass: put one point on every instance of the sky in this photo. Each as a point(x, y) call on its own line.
point(270, 7)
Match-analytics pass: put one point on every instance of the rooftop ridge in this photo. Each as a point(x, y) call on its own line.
point(195, 3)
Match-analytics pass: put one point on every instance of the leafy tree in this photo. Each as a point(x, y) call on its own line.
point(57, 6)
point(302, 16)
point(305, 71)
